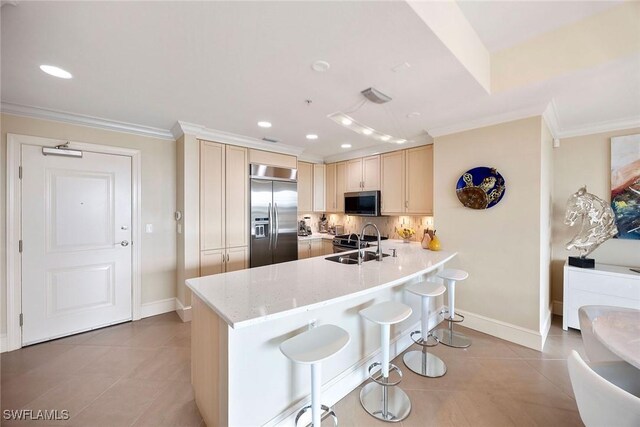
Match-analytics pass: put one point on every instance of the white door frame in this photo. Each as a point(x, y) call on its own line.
point(14, 204)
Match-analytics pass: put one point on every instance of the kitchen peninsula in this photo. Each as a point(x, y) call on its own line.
point(240, 318)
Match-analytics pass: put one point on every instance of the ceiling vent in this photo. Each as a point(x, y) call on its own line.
point(375, 95)
point(271, 140)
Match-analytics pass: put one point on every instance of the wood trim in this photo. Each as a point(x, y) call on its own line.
point(14, 227)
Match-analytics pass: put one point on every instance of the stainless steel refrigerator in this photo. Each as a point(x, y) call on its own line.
point(274, 214)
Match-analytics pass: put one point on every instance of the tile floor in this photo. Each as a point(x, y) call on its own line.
point(138, 374)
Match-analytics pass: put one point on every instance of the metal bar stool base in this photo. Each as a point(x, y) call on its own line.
point(398, 405)
point(452, 339)
point(328, 412)
point(424, 363)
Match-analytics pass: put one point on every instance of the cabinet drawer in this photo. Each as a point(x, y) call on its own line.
point(581, 298)
point(603, 284)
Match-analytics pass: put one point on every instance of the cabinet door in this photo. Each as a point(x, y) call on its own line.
point(371, 173)
point(305, 187)
point(318, 188)
point(419, 180)
point(392, 183)
point(304, 249)
point(237, 196)
point(330, 188)
point(341, 185)
point(212, 262)
point(316, 247)
point(354, 175)
point(327, 247)
point(212, 203)
point(237, 259)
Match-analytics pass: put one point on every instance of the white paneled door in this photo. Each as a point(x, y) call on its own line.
point(76, 233)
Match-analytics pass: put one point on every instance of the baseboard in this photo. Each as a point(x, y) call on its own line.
point(350, 379)
point(157, 307)
point(3, 343)
point(506, 331)
point(557, 308)
point(183, 312)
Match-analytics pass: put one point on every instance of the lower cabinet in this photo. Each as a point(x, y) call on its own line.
point(315, 247)
point(223, 260)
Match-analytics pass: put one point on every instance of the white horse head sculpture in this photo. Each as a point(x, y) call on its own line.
point(597, 221)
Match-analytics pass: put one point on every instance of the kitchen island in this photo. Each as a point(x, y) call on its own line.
point(239, 375)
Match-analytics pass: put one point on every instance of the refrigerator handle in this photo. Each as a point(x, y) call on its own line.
point(270, 225)
point(277, 224)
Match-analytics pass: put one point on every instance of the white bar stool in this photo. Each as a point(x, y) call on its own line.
point(381, 398)
point(422, 362)
point(448, 336)
point(311, 348)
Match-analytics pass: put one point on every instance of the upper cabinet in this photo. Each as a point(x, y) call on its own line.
point(272, 159)
point(319, 202)
point(305, 187)
point(407, 181)
point(341, 185)
point(363, 174)
point(236, 196)
point(336, 182)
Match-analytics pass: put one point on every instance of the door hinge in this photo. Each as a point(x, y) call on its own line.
point(21, 319)
point(20, 246)
point(19, 172)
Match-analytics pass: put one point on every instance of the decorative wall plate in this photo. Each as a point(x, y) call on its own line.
point(480, 188)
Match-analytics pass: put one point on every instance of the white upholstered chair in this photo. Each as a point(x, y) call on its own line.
point(606, 393)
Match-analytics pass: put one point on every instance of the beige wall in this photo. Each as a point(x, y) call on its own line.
point(585, 160)
point(499, 247)
point(158, 197)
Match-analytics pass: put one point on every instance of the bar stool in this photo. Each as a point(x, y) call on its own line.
point(422, 362)
point(447, 336)
point(311, 348)
point(381, 398)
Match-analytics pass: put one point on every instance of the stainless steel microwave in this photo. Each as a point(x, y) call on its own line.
point(362, 203)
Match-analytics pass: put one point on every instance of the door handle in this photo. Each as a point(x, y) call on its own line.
point(277, 224)
point(124, 243)
point(270, 225)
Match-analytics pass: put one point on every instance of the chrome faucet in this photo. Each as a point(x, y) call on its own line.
point(379, 250)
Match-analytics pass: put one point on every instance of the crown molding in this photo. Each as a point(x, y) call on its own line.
point(382, 148)
point(601, 127)
point(550, 117)
point(201, 132)
point(79, 119)
point(510, 116)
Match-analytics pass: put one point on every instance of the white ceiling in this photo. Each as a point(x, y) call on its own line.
point(227, 65)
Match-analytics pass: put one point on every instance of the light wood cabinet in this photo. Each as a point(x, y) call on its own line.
point(341, 185)
point(319, 202)
point(363, 174)
point(304, 249)
point(327, 247)
point(331, 200)
point(305, 187)
point(224, 208)
point(407, 181)
point(313, 247)
point(272, 159)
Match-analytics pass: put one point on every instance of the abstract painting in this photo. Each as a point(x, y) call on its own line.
point(625, 185)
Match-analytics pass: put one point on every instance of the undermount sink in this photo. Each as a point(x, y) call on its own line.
point(352, 258)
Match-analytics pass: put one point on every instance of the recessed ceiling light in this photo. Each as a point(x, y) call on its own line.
point(56, 71)
point(346, 146)
point(400, 141)
point(385, 137)
point(346, 121)
point(367, 131)
point(320, 66)
point(413, 115)
point(264, 124)
point(312, 136)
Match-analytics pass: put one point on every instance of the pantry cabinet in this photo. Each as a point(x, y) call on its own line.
point(223, 260)
point(330, 188)
point(319, 202)
point(407, 181)
point(305, 187)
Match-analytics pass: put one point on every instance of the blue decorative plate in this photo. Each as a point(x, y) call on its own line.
point(480, 188)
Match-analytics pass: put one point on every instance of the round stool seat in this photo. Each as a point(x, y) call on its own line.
point(453, 274)
point(426, 289)
point(315, 345)
point(387, 313)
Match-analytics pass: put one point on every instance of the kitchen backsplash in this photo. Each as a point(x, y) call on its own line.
point(386, 224)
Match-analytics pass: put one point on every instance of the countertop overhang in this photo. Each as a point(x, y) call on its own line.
point(251, 296)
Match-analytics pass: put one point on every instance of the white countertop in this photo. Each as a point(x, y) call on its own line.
point(247, 297)
point(316, 236)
